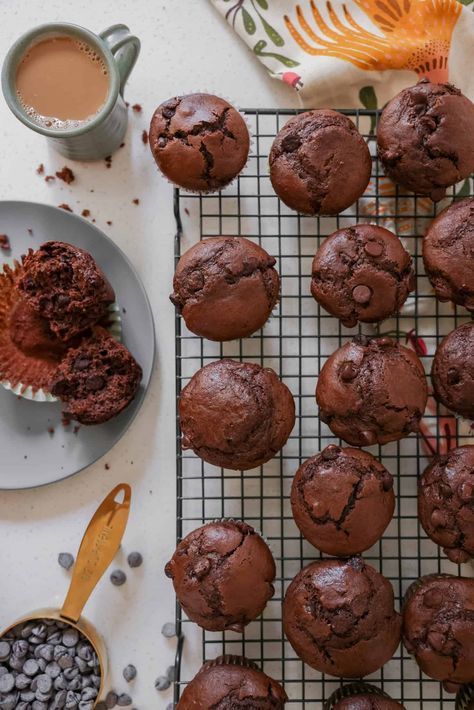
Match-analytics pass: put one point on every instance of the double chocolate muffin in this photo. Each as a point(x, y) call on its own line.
point(438, 627)
point(448, 253)
point(361, 696)
point(372, 391)
point(225, 287)
point(425, 138)
point(340, 619)
point(222, 574)
point(236, 415)
point(64, 285)
point(96, 380)
point(319, 162)
point(452, 373)
point(31, 333)
point(333, 496)
point(362, 274)
point(200, 142)
point(446, 503)
point(232, 683)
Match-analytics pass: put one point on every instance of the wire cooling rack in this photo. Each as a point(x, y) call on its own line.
point(295, 343)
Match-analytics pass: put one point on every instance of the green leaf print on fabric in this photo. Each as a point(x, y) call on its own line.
point(276, 38)
point(260, 46)
point(368, 99)
point(264, 4)
point(249, 22)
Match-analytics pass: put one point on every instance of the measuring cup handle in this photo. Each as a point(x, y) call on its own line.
point(125, 47)
point(98, 548)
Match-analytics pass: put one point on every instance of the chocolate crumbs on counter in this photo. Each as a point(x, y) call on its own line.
point(65, 206)
point(5, 242)
point(49, 178)
point(107, 466)
point(136, 201)
point(40, 169)
point(109, 222)
point(108, 161)
point(66, 175)
point(51, 430)
point(137, 108)
point(76, 430)
point(122, 145)
point(187, 211)
point(144, 137)
point(30, 231)
point(86, 213)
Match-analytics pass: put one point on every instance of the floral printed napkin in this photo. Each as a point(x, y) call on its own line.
point(347, 53)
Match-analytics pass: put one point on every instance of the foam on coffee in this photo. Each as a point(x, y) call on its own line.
point(62, 82)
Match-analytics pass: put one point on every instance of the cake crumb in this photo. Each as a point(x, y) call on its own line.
point(65, 206)
point(137, 108)
point(76, 429)
point(66, 175)
point(107, 466)
point(108, 161)
point(51, 430)
point(40, 169)
point(136, 201)
point(30, 231)
point(122, 145)
point(187, 211)
point(49, 178)
point(144, 137)
point(86, 213)
point(5, 242)
point(109, 222)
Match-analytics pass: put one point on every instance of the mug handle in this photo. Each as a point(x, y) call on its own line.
point(125, 47)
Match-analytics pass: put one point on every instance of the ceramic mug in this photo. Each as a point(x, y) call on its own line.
point(104, 133)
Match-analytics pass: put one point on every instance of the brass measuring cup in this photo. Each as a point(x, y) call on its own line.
point(98, 548)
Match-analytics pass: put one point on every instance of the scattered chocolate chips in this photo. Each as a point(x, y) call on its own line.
point(66, 175)
point(108, 161)
point(111, 700)
point(118, 577)
point(137, 108)
point(5, 242)
point(129, 673)
point(66, 560)
point(162, 683)
point(144, 137)
point(362, 294)
point(124, 700)
point(136, 201)
point(65, 206)
point(373, 248)
point(107, 466)
point(135, 559)
point(168, 630)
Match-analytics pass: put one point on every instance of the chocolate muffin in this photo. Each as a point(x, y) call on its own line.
point(425, 138)
point(452, 373)
point(236, 415)
point(64, 285)
point(362, 274)
point(319, 163)
point(96, 380)
point(448, 253)
point(200, 142)
point(225, 287)
point(372, 391)
point(222, 575)
point(361, 696)
point(438, 627)
point(339, 617)
point(32, 335)
point(333, 496)
point(232, 683)
point(446, 503)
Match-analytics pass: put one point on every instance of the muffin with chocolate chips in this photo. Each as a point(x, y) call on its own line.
point(340, 619)
point(232, 683)
point(199, 141)
point(438, 627)
point(333, 496)
point(362, 274)
point(425, 138)
point(225, 287)
point(448, 253)
point(361, 696)
point(236, 414)
point(66, 287)
point(223, 575)
point(446, 503)
point(372, 391)
point(452, 373)
point(319, 163)
point(96, 380)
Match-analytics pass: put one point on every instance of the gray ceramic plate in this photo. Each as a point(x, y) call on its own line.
point(29, 454)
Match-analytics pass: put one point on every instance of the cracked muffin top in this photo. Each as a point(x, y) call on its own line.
point(372, 391)
point(236, 414)
point(425, 138)
point(340, 619)
point(333, 496)
point(232, 683)
point(319, 162)
point(448, 253)
point(452, 373)
point(225, 287)
point(367, 701)
point(362, 274)
point(222, 574)
point(446, 503)
point(200, 142)
point(64, 285)
point(438, 627)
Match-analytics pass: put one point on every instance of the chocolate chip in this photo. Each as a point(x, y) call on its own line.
point(454, 376)
point(373, 248)
point(348, 371)
point(201, 568)
point(387, 481)
point(331, 452)
point(95, 383)
point(438, 518)
point(362, 294)
point(7, 683)
point(436, 640)
point(66, 560)
point(466, 491)
point(118, 577)
point(82, 363)
point(129, 673)
point(168, 630)
point(111, 700)
point(162, 683)
point(124, 700)
point(168, 571)
point(135, 559)
point(342, 623)
point(62, 300)
point(368, 437)
point(384, 342)
point(4, 650)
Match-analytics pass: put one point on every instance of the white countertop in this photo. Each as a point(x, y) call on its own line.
point(186, 46)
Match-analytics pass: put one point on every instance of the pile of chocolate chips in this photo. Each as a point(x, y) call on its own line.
point(47, 665)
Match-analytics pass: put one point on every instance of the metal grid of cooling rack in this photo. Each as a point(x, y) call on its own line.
point(295, 343)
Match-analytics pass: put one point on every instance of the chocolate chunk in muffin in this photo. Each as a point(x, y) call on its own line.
point(333, 496)
point(372, 391)
point(452, 372)
point(225, 287)
point(319, 162)
point(96, 380)
point(446, 502)
point(236, 414)
point(425, 138)
point(222, 574)
point(232, 683)
point(438, 627)
point(448, 253)
point(65, 286)
point(340, 619)
point(362, 274)
point(200, 142)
